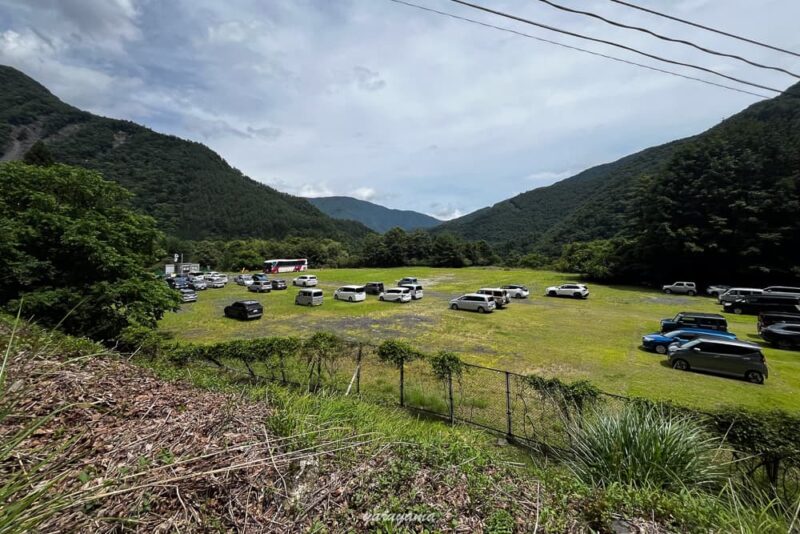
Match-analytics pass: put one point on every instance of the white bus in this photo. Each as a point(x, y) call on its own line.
point(285, 266)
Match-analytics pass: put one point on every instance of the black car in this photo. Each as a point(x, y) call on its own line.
point(710, 321)
point(767, 302)
point(782, 289)
point(782, 335)
point(279, 284)
point(244, 310)
point(769, 318)
point(374, 288)
point(179, 282)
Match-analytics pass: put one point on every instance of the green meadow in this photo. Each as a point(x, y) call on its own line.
point(595, 339)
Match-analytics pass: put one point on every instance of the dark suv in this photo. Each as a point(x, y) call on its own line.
point(710, 321)
point(179, 282)
point(769, 318)
point(782, 335)
point(764, 303)
point(732, 358)
point(244, 310)
point(374, 288)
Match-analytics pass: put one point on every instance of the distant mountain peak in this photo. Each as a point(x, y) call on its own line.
point(374, 216)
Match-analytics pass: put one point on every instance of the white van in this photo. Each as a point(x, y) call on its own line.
point(351, 293)
point(414, 289)
point(396, 294)
point(309, 297)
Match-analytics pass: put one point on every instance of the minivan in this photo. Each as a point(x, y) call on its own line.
point(732, 358)
point(737, 293)
point(414, 289)
point(351, 293)
point(711, 321)
point(308, 297)
point(473, 302)
point(764, 303)
point(396, 294)
point(374, 288)
point(501, 298)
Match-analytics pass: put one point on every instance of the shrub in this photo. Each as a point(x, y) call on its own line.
point(446, 364)
point(397, 352)
point(642, 446)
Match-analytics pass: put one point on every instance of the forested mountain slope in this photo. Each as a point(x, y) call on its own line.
point(187, 187)
point(374, 216)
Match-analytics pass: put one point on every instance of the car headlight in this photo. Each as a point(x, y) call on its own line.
point(647, 338)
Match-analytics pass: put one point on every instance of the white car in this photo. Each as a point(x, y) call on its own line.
point(215, 281)
point(243, 279)
point(684, 288)
point(305, 280)
point(396, 294)
point(415, 290)
point(351, 293)
point(215, 274)
point(517, 292)
point(578, 291)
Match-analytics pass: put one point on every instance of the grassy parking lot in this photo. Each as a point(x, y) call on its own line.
point(596, 339)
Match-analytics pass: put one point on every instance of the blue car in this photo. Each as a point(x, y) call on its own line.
point(658, 342)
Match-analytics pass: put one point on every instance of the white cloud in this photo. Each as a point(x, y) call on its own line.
point(364, 193)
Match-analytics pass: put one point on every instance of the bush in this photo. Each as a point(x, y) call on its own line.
point(642, 446)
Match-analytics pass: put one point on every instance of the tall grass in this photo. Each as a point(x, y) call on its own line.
point(643, 446)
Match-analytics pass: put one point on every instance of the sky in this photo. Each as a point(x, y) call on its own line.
point(387, 103)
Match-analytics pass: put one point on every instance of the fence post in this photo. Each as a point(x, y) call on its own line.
point(450, 395)
point(358, 369)
point(402, 380)
point(508, 404)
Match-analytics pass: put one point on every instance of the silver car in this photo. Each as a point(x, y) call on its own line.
point(681, 288)
point(473, 302)
point(735, 293)
point(309, 297)
point(501, 298)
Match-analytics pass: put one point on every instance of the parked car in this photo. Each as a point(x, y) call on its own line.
point(260, 277)
point(305, 280)
point(501, 298)
point(474, 302)
point(737, 293)
point(658, 342)
point(708, 321)
point(716, 290)
point(732, 358)
point(374, 288)
point(197, 283)
point(244, 310)
point(308, 297)
point(753, 304)
point(351, 293)
point(215, 282)
point(188, 295)
point(243, 279)
point(279, 284)
point(179, 282)
point(260, 287)
point(782, 289)
point(517, 292)
point(407, 280)
point(782, 335)
point(578, 291)
point(396, 294)
point(681, 288)
point(769, 318)
point(415, 290)
point(213, 274)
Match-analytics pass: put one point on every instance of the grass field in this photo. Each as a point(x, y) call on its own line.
point(596, 339)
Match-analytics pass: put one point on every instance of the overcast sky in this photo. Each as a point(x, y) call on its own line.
point(384, 102)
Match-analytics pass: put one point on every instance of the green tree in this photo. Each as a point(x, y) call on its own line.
point(38, 154)
point(74, 250)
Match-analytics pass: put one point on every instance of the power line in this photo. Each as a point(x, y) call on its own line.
point(707, 28)
point(667, 38)
point(611, 43)
point(578, 49)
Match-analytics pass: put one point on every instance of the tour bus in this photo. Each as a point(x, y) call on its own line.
point(285, 266)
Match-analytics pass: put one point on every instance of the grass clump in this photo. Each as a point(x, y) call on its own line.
point(643, 446)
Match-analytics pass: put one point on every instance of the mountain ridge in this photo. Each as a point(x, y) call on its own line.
point(190, 189)
point(375, 216)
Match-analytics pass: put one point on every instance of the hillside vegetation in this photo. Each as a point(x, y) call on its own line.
point(187, 187)
point(374, 216)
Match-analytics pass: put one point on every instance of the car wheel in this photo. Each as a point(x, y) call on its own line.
point(661, 349)
point(454, 306)
point(690, 293)
point(551, 293)
point(381, 299)
point(481, 310)
point(576, 295)
point(738, 311)
point(680, 365)
point(754, 377)
point(667, 291)
point(783, 344)
point(350, 299)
